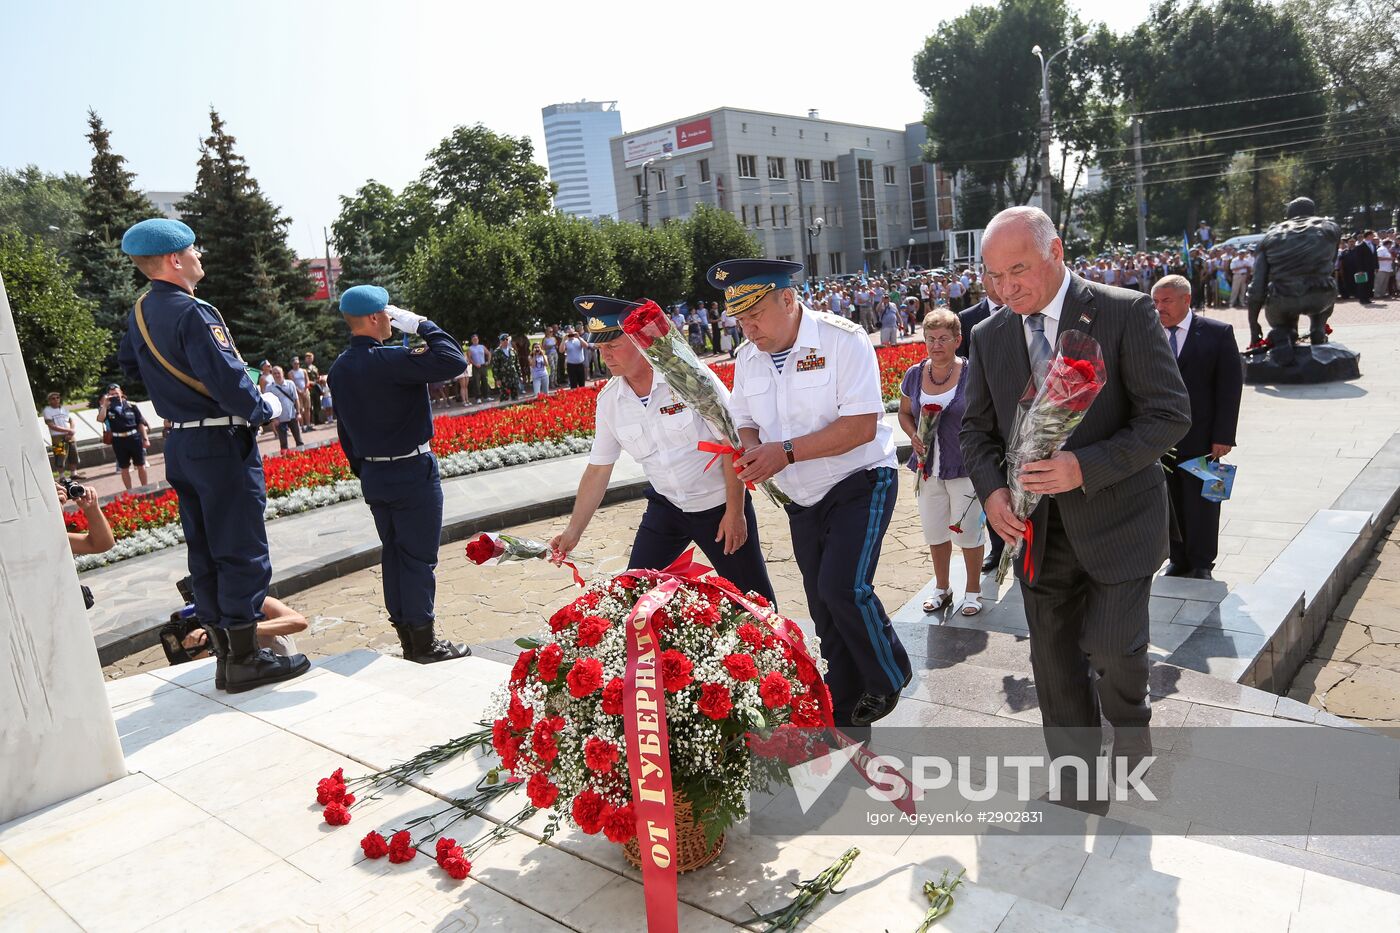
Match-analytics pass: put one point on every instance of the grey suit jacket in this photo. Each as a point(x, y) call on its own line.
point(1117, 521)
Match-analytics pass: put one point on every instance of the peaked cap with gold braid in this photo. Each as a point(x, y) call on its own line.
point(745, 282)
point(603, 316)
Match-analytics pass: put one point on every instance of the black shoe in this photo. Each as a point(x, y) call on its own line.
point(1199, 575)
point(421, 647)
point(1176, 570)
point(871, 707)
point(218, 647)
point(990, 563)
point(249, 666)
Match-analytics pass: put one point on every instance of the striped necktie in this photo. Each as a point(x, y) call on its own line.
point(1176, 347)
point(1039, 347)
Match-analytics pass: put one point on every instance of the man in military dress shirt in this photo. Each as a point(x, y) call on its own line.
point(808, 406)
point(385, 421)
point(181, 348)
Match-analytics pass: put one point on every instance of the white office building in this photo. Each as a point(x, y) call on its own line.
point(580, 158)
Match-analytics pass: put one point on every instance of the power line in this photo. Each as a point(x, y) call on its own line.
point(1378, 148)
point(1221, 103)
point(1239, 131)
point(1130, 166)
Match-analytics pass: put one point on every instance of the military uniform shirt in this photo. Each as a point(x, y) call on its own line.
point(661, 436)
point(830, 372)
point(192, 336)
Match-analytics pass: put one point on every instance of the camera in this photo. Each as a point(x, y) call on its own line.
point(182, 622)
point(74, 491)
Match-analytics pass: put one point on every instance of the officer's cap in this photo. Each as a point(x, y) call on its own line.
point(157, 237)
point(603, 316)
point(502, 337)
point(363, 299)
point(745, 282)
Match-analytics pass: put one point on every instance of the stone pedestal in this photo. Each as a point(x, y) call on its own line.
point(1327, 362)
point(57, 738)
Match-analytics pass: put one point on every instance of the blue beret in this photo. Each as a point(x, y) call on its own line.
point(603, 316)
point(745, 282)
point(157, 237)
point(363, 299)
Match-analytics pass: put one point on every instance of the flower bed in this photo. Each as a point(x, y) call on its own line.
point(557, 425)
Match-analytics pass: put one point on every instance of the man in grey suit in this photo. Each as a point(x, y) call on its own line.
point(1099, 540)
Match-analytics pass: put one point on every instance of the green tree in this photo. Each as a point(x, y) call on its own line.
point(62, 347)
point(362, 264)
point(34, 203)
point(572, 257)
point(393, 222)
point(271, 330)
point(713, 235)
point(652, 262)
point(475, 277)
point(493, 175)
point(238, 226)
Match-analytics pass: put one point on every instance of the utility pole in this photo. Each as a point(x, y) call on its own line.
point(1140, 195)
point(330, 279)
point(1046, 202)
point(802, 219)
point(646, 191)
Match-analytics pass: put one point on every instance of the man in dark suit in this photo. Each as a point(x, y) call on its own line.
point(969, 319)
point(1100, 531)
point(1365, 261)
point(1211, 367)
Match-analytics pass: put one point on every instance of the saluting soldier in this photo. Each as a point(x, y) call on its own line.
point(385, 420)
point(809, 411)
point(181, 348)
point(637, 413)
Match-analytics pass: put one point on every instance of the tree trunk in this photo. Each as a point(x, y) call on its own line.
point(1258, 214)
point(1069, 201)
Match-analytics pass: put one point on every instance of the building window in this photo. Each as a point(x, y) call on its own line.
point(773, 214)
point(743, 127)
point(918, 207)
point(804, 169)
point(680, 181)
point(801, 134)
point(777, 167)
point(889, 175)
point(828, 170)
point(638, 180)
point(660, 181)
point(775, 131)
point(744, 214)
point(826, 137)
point(834, 265)
point(785, 215)
point(757, 217)
point(704, 171)
point(786, 257)
point(811, 214)
point(748, 166)
point(867, 142)
point(869, 227)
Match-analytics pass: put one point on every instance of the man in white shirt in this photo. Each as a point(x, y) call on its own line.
point(1239, 278)
point(1386, 256)
point(62, 435)
point(687, 501)
point(809, 411)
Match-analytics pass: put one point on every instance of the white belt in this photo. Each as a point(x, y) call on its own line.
point(123, 433)
point(420, 449)
point(210, 422)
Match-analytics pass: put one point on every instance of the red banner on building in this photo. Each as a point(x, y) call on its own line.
point(318, 276)
point(694, 135)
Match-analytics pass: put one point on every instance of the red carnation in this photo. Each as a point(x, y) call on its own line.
point(588, 601)
point(336, 814)
point(714, 701)
point(1072, 384)
point(775, 691)
point(599, 754)
point(457, 868)
point(646, 324)
point(541, 791)
point(805, 712)
point(741, 666)
point(931, 410)
point(484, 547)
point(591, 631)
point(521, 669)
point(374, 845)
point(444, 845)
point(543, 744)
point(626, 582)
point(520, 715)
point(328, 792)
point(707, 615)
point(612, 697)
point(550, 657)
point(750, 635)
point(758, 600)
point(585, 678)
point(661, 620)
point(565, 617)
point(620, 824)
point(588, 810)
point(724, 584)
point(401, 847)
point(675, 670)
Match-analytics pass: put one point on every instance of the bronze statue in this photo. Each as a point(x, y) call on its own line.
point(1293, 276)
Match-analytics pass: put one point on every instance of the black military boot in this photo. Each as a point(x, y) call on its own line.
point(249, 666)
point(218, 647)
point(421, 647)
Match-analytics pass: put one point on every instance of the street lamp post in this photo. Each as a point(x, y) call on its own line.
point(909, 254)
point(646, 189)
point(1045, 193)
point(814, 230)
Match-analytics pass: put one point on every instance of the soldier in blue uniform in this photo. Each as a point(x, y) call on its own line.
point(385, 421)
point(181, 348)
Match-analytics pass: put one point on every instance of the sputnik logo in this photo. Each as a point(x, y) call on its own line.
point(811, 778)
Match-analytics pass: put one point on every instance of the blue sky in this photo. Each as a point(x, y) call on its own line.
point(323, 96)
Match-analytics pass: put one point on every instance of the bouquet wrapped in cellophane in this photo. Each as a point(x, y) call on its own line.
point(1053, 405)
point(690, 380)
point(927, 427)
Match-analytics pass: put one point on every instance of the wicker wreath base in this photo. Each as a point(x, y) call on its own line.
point(691, 852)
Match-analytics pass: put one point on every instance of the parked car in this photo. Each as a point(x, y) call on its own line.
point(1244, 241)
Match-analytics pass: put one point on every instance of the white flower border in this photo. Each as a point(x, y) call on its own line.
point(302, 500)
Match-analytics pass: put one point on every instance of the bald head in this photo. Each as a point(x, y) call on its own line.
point(1021, 223)
point(1024, 259)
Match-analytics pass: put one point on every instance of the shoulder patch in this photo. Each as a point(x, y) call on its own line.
point(839, 322)
point(418, 351)
point(220, 335)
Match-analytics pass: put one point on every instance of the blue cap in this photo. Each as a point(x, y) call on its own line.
point(603, 316)
point(745, 282)
point(363, 299)
point(157, 237)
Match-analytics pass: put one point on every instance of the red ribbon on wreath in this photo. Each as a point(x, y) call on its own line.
point(719, 450)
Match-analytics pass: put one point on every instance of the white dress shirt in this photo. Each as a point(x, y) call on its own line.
point(661, 436)
point(1181, 331)
point(1052, 316)
point(830, 372)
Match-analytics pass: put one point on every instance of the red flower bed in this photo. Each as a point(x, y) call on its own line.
point(564, 413)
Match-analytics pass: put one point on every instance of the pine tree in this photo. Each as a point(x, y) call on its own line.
point(238, 228)
point(362, 264)
point(270, 329)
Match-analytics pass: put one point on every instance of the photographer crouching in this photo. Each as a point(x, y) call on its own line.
point(98, 537)
point(184, 640)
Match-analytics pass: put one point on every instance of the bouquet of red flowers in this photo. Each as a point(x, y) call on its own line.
point(729, 669)
point(498, 548)
point(690, 380)
point(928, 425)
point(1051, 408)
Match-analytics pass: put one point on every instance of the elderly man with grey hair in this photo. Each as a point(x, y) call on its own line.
point(1100, 530)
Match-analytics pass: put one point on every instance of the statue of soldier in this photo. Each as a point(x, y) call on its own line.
point(1293, 269)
